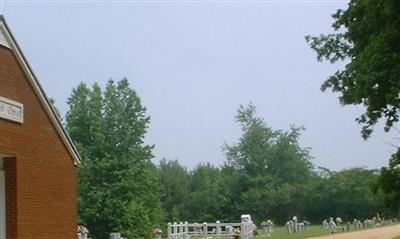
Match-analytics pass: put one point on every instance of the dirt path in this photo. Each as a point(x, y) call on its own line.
point(387, 232)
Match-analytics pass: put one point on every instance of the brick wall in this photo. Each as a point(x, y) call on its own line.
point(11, 203)
point(41, 180)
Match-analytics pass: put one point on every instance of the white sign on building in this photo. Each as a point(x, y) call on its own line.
point(11, 110)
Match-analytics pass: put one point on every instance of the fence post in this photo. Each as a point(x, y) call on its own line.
point(186, 230)
point(181, 230)
point(174, 230)
point(218, 229)
point(251, 229)
point(229, 230)
point(205, 230)
point(242, 230)
point(169, 230)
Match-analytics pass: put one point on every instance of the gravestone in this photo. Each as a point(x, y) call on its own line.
point(115, 235)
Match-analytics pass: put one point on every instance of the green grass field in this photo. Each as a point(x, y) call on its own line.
point(313, 231)
point(281, 233)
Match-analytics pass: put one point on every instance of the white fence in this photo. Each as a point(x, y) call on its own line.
point(182, 230)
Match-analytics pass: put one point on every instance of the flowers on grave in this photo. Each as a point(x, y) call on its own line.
point(236, 233)
point(157, 231)
point(82, 229)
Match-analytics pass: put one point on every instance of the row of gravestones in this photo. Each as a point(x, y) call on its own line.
point(267, 227)
point(293, 226)
point(357, 224)
point(333, 227)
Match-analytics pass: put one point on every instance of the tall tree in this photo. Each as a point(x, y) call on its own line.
point(118, 184)
point(273, 168)
point(367, 38)
point(84, 120)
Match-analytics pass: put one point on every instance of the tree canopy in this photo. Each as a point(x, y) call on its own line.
point(267, 173)
point(273, 167)
point(175, 189)
point(367, 37)
point(119, 188)
point(389, 184)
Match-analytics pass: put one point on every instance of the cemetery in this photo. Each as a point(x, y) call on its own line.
point(291, 230)
point(247, 229)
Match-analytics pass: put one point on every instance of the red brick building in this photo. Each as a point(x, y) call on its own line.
point(38, 181)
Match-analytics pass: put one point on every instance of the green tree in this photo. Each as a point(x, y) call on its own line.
point(347, 194)
point(52, 102)
point(389, 184)
point(84, 120)
point(206, 198)
point(274, 169)
point(175, 187)
point(119, 187)
point(367, 38)
point(230, 193)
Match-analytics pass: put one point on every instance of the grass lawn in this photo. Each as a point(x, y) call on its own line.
point(314, 231)
point(281, 233)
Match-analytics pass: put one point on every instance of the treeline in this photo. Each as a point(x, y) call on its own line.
point(267, 173)
point(208, 193)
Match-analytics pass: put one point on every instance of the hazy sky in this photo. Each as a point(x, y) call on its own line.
point(193, 63)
